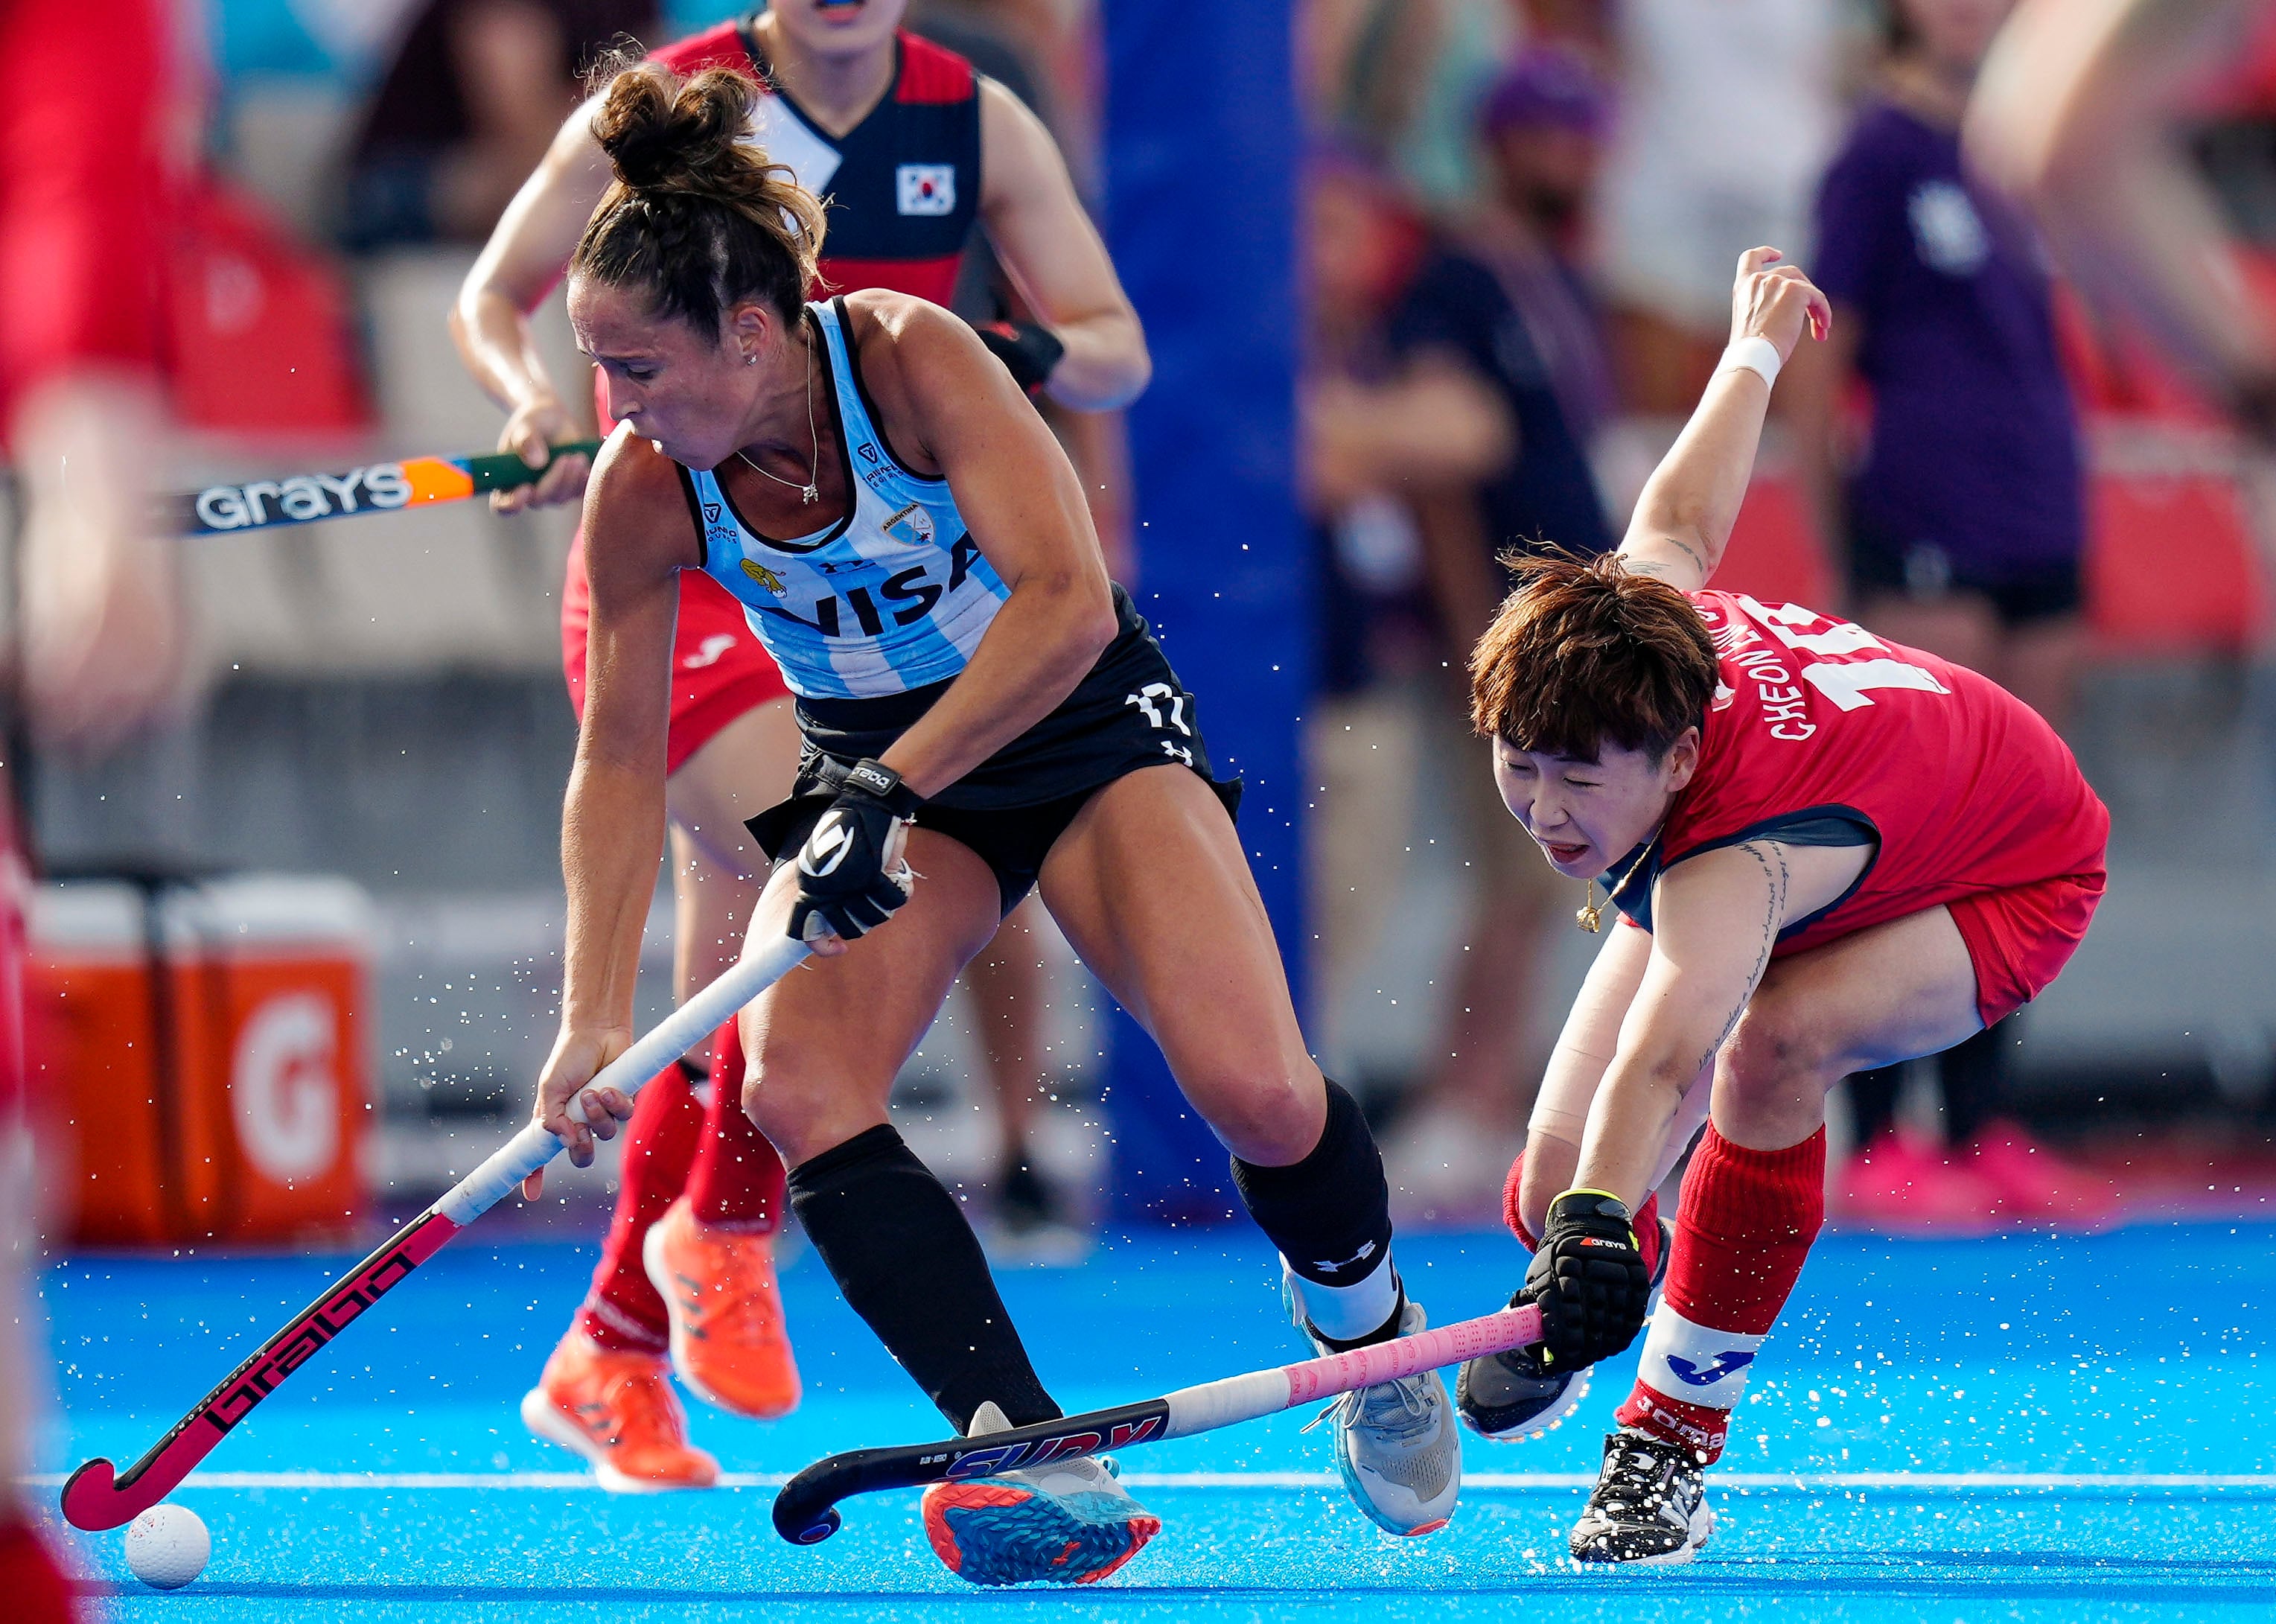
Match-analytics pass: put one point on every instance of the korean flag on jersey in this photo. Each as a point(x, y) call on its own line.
point(895, 598)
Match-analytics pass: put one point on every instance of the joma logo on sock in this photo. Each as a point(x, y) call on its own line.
point(1725, 1364)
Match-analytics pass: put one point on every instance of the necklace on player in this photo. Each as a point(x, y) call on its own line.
point(810, 491)
point(1588, 915)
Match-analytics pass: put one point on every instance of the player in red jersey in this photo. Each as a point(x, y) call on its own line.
point(82, 185)
point(911, 148)
point(1830, 852)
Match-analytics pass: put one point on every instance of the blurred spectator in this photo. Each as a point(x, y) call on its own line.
point(1726, 114)
point(1591, 27)
point(1378, 431)
point(1402, 78)
point(83, 191)
point(1507, 305)
point(470, 102)
point(1961, 525)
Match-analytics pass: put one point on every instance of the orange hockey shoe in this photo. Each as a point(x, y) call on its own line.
point(729, 1343)
point(618, 1411)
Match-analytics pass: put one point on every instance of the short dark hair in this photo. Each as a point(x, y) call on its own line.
point(1584, 650)
point(698, 218)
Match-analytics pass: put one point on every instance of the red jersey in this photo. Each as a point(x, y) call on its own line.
point(1821, 734)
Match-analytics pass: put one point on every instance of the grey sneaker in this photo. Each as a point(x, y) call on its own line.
point(1649, 1507)
point(1397, 1445)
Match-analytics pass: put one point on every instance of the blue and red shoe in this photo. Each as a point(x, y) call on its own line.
point(1069, 1523)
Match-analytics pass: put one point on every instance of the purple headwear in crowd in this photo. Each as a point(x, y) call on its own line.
point(1547, 85)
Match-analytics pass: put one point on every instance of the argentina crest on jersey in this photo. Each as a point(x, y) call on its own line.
point(895, 598)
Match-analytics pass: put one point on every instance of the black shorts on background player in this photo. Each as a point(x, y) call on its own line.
point(1926, 573)
point(1130, 712)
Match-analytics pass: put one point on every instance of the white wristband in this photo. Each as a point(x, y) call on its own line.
point(1757, 355)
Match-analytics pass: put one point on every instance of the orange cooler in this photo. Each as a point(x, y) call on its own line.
point(205, 1048)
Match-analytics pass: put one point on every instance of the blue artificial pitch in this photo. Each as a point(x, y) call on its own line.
point(2022, 1428)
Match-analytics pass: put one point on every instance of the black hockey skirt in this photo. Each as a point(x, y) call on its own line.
point(1129, 712)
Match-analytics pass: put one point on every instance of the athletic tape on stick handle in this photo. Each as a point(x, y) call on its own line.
point(805, 1513)
point(378, 488)
point(96, 1496)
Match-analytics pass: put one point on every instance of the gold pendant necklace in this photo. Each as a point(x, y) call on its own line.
point(1588, 915)
point(810, 491)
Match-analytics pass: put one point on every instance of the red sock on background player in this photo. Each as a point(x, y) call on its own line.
point(737, 1181)
point(1745, 1223)
point(623, 1312)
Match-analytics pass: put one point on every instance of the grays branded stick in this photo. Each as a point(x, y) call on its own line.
point(380, 488)
point(805, 1511)
point(99, 1496)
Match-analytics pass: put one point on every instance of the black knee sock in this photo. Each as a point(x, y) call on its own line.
point(1330, 1214)
point(908, 1263)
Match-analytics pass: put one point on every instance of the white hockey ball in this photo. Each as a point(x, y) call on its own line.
point(167, 1547)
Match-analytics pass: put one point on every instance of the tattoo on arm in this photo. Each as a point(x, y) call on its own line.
point(1647, 566)
point(1770, 858)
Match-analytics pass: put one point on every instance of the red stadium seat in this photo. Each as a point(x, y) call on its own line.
point(1774, 553)
point(260, 326)
point(2171, 568)
point(2170, 564)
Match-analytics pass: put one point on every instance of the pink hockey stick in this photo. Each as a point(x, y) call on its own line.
point(99, 1496)
point(805, 1512)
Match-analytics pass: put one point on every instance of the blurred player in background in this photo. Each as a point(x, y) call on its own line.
point(2078, 112)
point(473, 98)
point(912, 148)
point(1829, 852)
point(1959, 524)
point(913, 545)
point(82, 184)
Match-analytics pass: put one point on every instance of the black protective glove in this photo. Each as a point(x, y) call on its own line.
point(851, 877)
point(1589, 1280)
point(1028, 350)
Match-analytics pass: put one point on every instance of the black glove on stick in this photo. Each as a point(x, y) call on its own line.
point(1589, 1280)
point(851, 877)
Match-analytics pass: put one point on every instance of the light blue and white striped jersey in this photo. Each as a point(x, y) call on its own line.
point(895, 598)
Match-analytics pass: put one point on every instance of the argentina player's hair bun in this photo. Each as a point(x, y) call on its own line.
point(698, 218)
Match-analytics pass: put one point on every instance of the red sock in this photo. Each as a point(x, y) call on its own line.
point(1646, 1223)
point(35, 1587)
point(622, 1311)
point(1745, 1223)
point(737, 1182)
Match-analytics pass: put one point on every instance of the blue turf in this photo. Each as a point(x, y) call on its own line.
point(2146, 1351)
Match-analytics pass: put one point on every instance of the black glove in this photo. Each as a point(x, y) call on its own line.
point(1029, 350)
point(851, 878)
point(1589, 1279)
